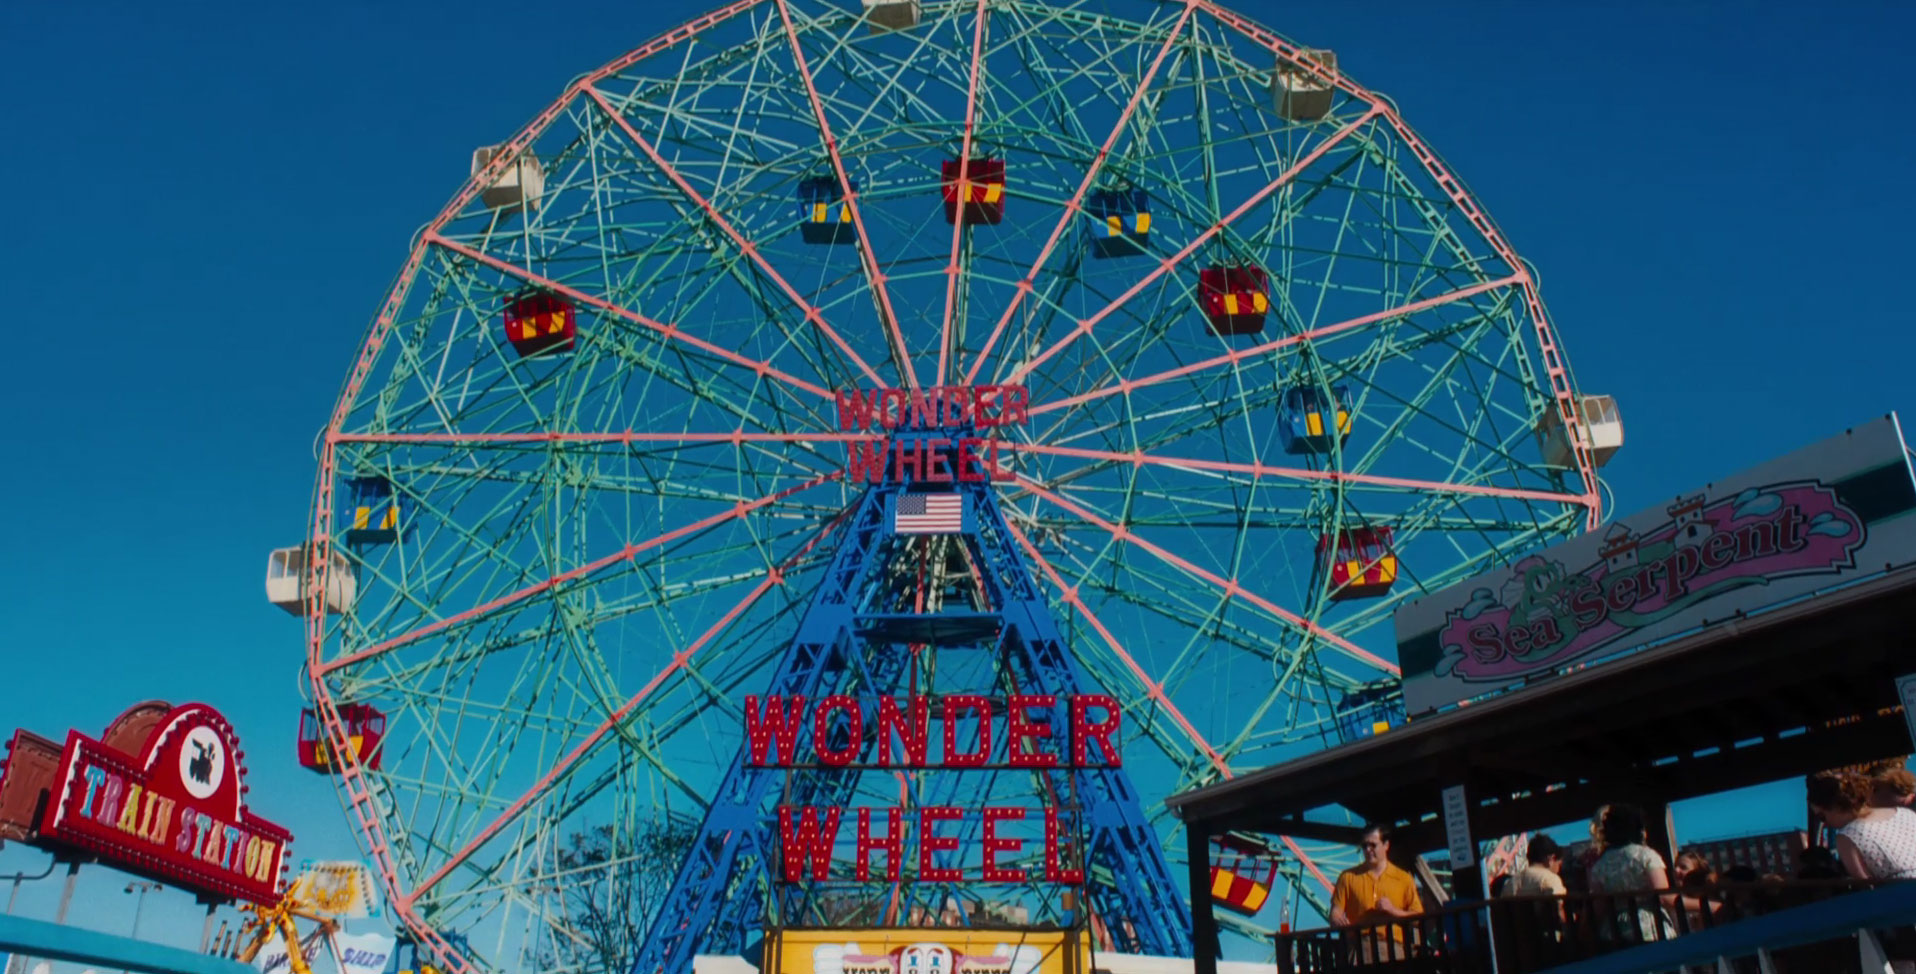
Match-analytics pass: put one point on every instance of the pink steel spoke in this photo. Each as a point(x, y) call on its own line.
point(626, 553)
point(395, 297)
point(1256, 470)
point(1071, 209)
point(1230, 586)
point(1239, 354)
point(626, 436)
point(812, 315)
point(958, 224)
point(671, 332)
point(1153, 689)
point(866, 254)
point(1170, 263)
point(773, 576)
point(1547, 344)
point(352, 777)
point(509, 152)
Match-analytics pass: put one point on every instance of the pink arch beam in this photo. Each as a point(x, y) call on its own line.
point(774, 576)
point(1170, 263)
point(1152, 688)
point(866, 254)
point(813, 316)
point(1230, 586)
point(322, 667)
point(1258, 470)
point(959, 224)
point(1071, 208)
point(671, 332)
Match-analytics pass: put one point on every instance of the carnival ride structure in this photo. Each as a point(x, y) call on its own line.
point(587, 485)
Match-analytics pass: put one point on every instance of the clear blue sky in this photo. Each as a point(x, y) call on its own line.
point(206, 202)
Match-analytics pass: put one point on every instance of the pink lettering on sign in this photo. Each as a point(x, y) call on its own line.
point(1548, 614)
point(936, 407)
point(1017, 732)
point(808, 845)
point(1031, 735)
point(884, 458)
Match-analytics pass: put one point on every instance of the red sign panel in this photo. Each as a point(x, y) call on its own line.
point(173, 812)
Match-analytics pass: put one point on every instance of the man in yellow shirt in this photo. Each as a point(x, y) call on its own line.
point(1374, 891)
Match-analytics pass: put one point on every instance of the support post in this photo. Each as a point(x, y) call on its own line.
point(66, 895)
point(1659, 828)
point(1204, 938)
point(1466, 874)
point(1870, 954)
point(206, 929)
point(1906, 692)
point(332, 946)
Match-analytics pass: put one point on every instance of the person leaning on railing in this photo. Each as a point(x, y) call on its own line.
point(1873, 843)
point(1537, 930)
point(1626, 869)
point(1581, 856)
point(1375, 891)
point(1542, 877)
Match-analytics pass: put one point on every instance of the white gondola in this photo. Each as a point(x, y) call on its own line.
point(884, 15)
point(1299, 95)
point(1602, 432)
point(286, 577)
point(519, 187)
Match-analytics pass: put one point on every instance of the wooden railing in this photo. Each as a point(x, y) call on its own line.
point(1538, 933)
point(1454, 939)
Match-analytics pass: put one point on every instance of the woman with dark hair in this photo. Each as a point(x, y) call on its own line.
point(1582, 854)
point(1628, 866)
point(1872, 843)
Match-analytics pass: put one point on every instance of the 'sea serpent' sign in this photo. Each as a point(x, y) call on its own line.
point(1836, 510)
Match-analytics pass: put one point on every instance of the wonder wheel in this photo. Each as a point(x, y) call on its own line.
point(1279, 371)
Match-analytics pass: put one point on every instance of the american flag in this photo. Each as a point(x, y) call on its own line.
point(929, 514)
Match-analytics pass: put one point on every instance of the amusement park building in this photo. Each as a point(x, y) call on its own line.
point(1802, 688)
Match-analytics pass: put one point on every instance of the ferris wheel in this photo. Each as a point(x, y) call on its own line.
point(1275, 371)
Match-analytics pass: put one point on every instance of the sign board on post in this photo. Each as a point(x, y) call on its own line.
point(1463, 852)
point(363, 953)
point(335, 889)
point(1825, 514)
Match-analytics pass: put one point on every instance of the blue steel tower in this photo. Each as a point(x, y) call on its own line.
point(898, 614)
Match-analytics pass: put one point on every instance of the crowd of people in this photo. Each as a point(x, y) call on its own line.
point(1867, 815)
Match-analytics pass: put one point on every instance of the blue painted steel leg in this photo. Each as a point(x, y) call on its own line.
point(722, 892)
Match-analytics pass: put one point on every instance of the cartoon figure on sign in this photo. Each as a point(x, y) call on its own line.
point(1539, 597)
point(200, 769)
point(925, 958)
point(202, 762)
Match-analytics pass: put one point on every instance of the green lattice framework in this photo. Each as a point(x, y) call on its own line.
point(605, 548)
